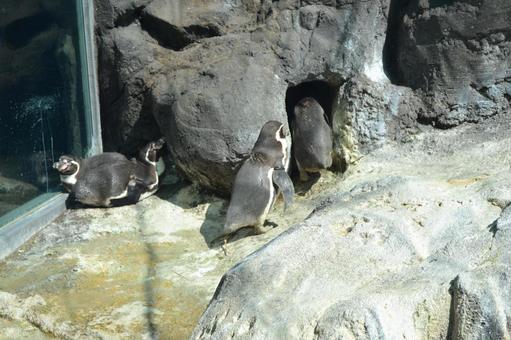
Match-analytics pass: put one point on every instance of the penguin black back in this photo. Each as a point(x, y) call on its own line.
point(110, 179)
point(271, 145)
point(312, 136)
point(253, 190)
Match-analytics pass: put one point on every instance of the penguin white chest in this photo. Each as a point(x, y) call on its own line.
point(68, 179)
point(283, 142)
point(271, 193)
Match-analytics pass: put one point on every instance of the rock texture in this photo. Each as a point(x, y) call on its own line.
point(411, 246)
point(145, 271)
point(413, 240)
point(208, 74)
point(458, 53)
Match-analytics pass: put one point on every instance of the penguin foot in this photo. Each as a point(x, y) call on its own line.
point(264, 227)
point(270, 224)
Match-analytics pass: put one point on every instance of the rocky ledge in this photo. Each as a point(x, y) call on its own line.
point(409, 245)
point(412, 241)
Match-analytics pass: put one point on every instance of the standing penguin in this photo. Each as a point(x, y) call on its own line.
point(110, 179)
point(312, 137)
point(253, 192)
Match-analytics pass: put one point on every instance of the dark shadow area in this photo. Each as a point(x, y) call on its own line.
point(150, 278)
point(128, 17)
point(391, 46)
point(493, 228)
point(211, 228)
point(325, 94)
point(302, 187)
point(167, 35)
point(19, 33)
point(173, 37)
point(440, 3)
point(452, 308)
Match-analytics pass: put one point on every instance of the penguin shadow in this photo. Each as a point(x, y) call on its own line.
point(72, 204)
point(302, 187)
point(213, 225)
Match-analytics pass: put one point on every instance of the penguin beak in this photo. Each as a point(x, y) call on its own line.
point(159, 143)
point(60, 166)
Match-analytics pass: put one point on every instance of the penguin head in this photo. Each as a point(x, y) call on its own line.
point(271, 143)
point(149, 153)
point(270, 131)
point(67, 165)
point(308, 107)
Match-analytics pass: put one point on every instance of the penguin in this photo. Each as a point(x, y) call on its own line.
point(253, 192)
point(110, 179)
point(70, 166)
point(312, 137)
point(144, 181)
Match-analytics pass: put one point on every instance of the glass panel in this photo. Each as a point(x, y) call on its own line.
point(41, 98)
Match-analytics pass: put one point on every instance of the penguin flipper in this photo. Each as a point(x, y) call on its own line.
point(283, 182)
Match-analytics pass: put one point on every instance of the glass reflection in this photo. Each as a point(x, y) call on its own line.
point(41, 99)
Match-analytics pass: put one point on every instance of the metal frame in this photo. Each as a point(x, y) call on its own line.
point(88, 56)
point(19, 230)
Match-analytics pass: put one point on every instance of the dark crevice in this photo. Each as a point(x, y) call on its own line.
point(322, 91)
point(20, 32)
point(391, 46)
point(426, 120)
point(129, 17)
point(173, 37)
point(197, 32)
point(440, 3)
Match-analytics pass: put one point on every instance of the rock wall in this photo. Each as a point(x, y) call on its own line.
point(458, 53)
point(208, 74)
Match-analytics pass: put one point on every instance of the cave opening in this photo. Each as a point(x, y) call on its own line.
point(322, 91)
point(325, 94)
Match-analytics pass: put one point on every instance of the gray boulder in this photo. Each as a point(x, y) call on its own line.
point(458, 54)
point(211, 118)
point(207, 76)
point(421, 255)
point(175, 67)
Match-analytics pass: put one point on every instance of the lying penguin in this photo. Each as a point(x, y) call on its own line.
point(110, 179)
point(253, 192)
point(312, 137)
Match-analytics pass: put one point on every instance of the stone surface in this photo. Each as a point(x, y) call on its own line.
point(367, 114)
point(209, 74)
point(459, 54)
point(406, 246)
point(411, 241)
point(175, 67)
point(130, 272)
